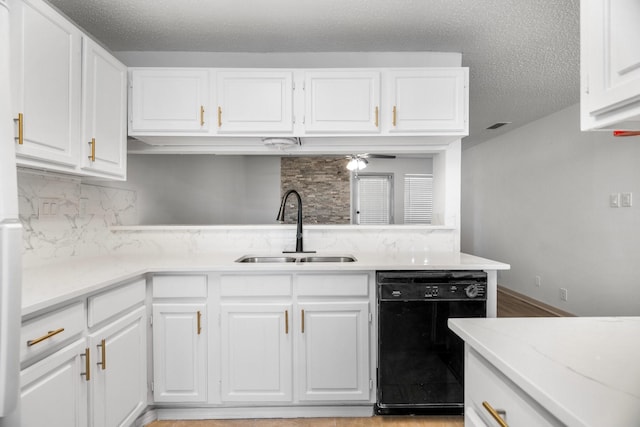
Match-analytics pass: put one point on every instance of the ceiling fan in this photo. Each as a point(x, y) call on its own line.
point(357, 162)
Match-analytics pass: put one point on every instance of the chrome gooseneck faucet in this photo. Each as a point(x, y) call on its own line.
point(299, 245)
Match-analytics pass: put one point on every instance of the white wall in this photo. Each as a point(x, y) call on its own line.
point(538, 199)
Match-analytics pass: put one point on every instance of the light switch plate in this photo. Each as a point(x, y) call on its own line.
point(626, 200)
point(614, 200)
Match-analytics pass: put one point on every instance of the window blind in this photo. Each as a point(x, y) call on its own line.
point(418, 198)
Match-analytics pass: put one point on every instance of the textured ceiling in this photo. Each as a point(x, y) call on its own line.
point(523, 55)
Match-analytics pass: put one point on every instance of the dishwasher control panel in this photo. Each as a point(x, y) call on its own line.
point(449, 286)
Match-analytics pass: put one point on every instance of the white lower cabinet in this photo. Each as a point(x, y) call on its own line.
point(119, 380)
point(486, 387)
point(256, 352)
point(54, 390)
point(179, 352)
point(334, 351)
point(295, 338)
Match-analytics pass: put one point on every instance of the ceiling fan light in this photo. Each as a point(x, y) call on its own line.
point(357, 164)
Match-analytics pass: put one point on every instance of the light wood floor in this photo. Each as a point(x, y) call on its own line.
point(509, 305)
point(385, 421)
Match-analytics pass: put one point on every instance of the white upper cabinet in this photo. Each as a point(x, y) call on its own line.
point(169, 100)
point(254, 101)
point(45, 67)
point(104, 101)
point(610, 64)
point(346, 101)
point(427, 101)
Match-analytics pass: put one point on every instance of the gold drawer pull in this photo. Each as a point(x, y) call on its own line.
point(103, 347)
point(44, 337)
point(199, 322)
point(395, 115)
point(302, 315)
point(219, 116)
point(202, 115)
point(20, 121)
point(286, 321)
point(377, 109)
point(87, 364)
point(92, 156)
point(496, 416)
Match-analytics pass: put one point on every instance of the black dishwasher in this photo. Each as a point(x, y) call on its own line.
point(421, 361)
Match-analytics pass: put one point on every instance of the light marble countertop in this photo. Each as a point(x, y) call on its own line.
point(583, 370)
point(49, 285)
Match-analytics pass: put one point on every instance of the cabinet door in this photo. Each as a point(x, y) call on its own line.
point(45, 61)
point(256, 352)
point(169, 100)
point(427, 100)
point(342, 101)
point(255, 101)
point(179, 352)
point(334, 351)
point(54, 391)
point(119, 380)
point(611, 63)
point(104, 115)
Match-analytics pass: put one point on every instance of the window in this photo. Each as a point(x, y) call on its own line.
point(373, 197)
point(418, 198)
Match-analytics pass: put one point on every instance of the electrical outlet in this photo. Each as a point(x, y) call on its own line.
point(564, 294)
point(614, 200)
point(626, 200)
point(538, 281)
point(48, 207)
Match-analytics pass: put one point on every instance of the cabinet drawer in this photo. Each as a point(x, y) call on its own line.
point(484, 383)
point(50, 331)
point(247, 286)
point(333, 285)
point(108, 304)
point(180, 286)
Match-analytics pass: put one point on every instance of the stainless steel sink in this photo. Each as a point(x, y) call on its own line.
point(327, 259)
point(266, 259)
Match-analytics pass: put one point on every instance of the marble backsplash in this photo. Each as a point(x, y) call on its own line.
point(66, 217)
point(63, 217)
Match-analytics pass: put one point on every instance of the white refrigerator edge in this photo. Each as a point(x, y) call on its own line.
point(10, 241)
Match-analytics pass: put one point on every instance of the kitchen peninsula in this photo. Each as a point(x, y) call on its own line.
point(574, 371)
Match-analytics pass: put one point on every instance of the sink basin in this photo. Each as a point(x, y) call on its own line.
point(262, 259)
point(327, 259)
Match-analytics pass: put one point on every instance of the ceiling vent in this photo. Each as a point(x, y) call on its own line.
point(498, 125)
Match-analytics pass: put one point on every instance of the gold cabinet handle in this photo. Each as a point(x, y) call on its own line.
point(103, 348)
point(202, 115)
point(20, 121)
point(92, 156)
point(394, 115)
point(87, 364)
point(44, 337)
point(302, 320)
point(286, 321)
point(219, 116)
point(494, 414)
point(377, 116)
point(199, 322)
